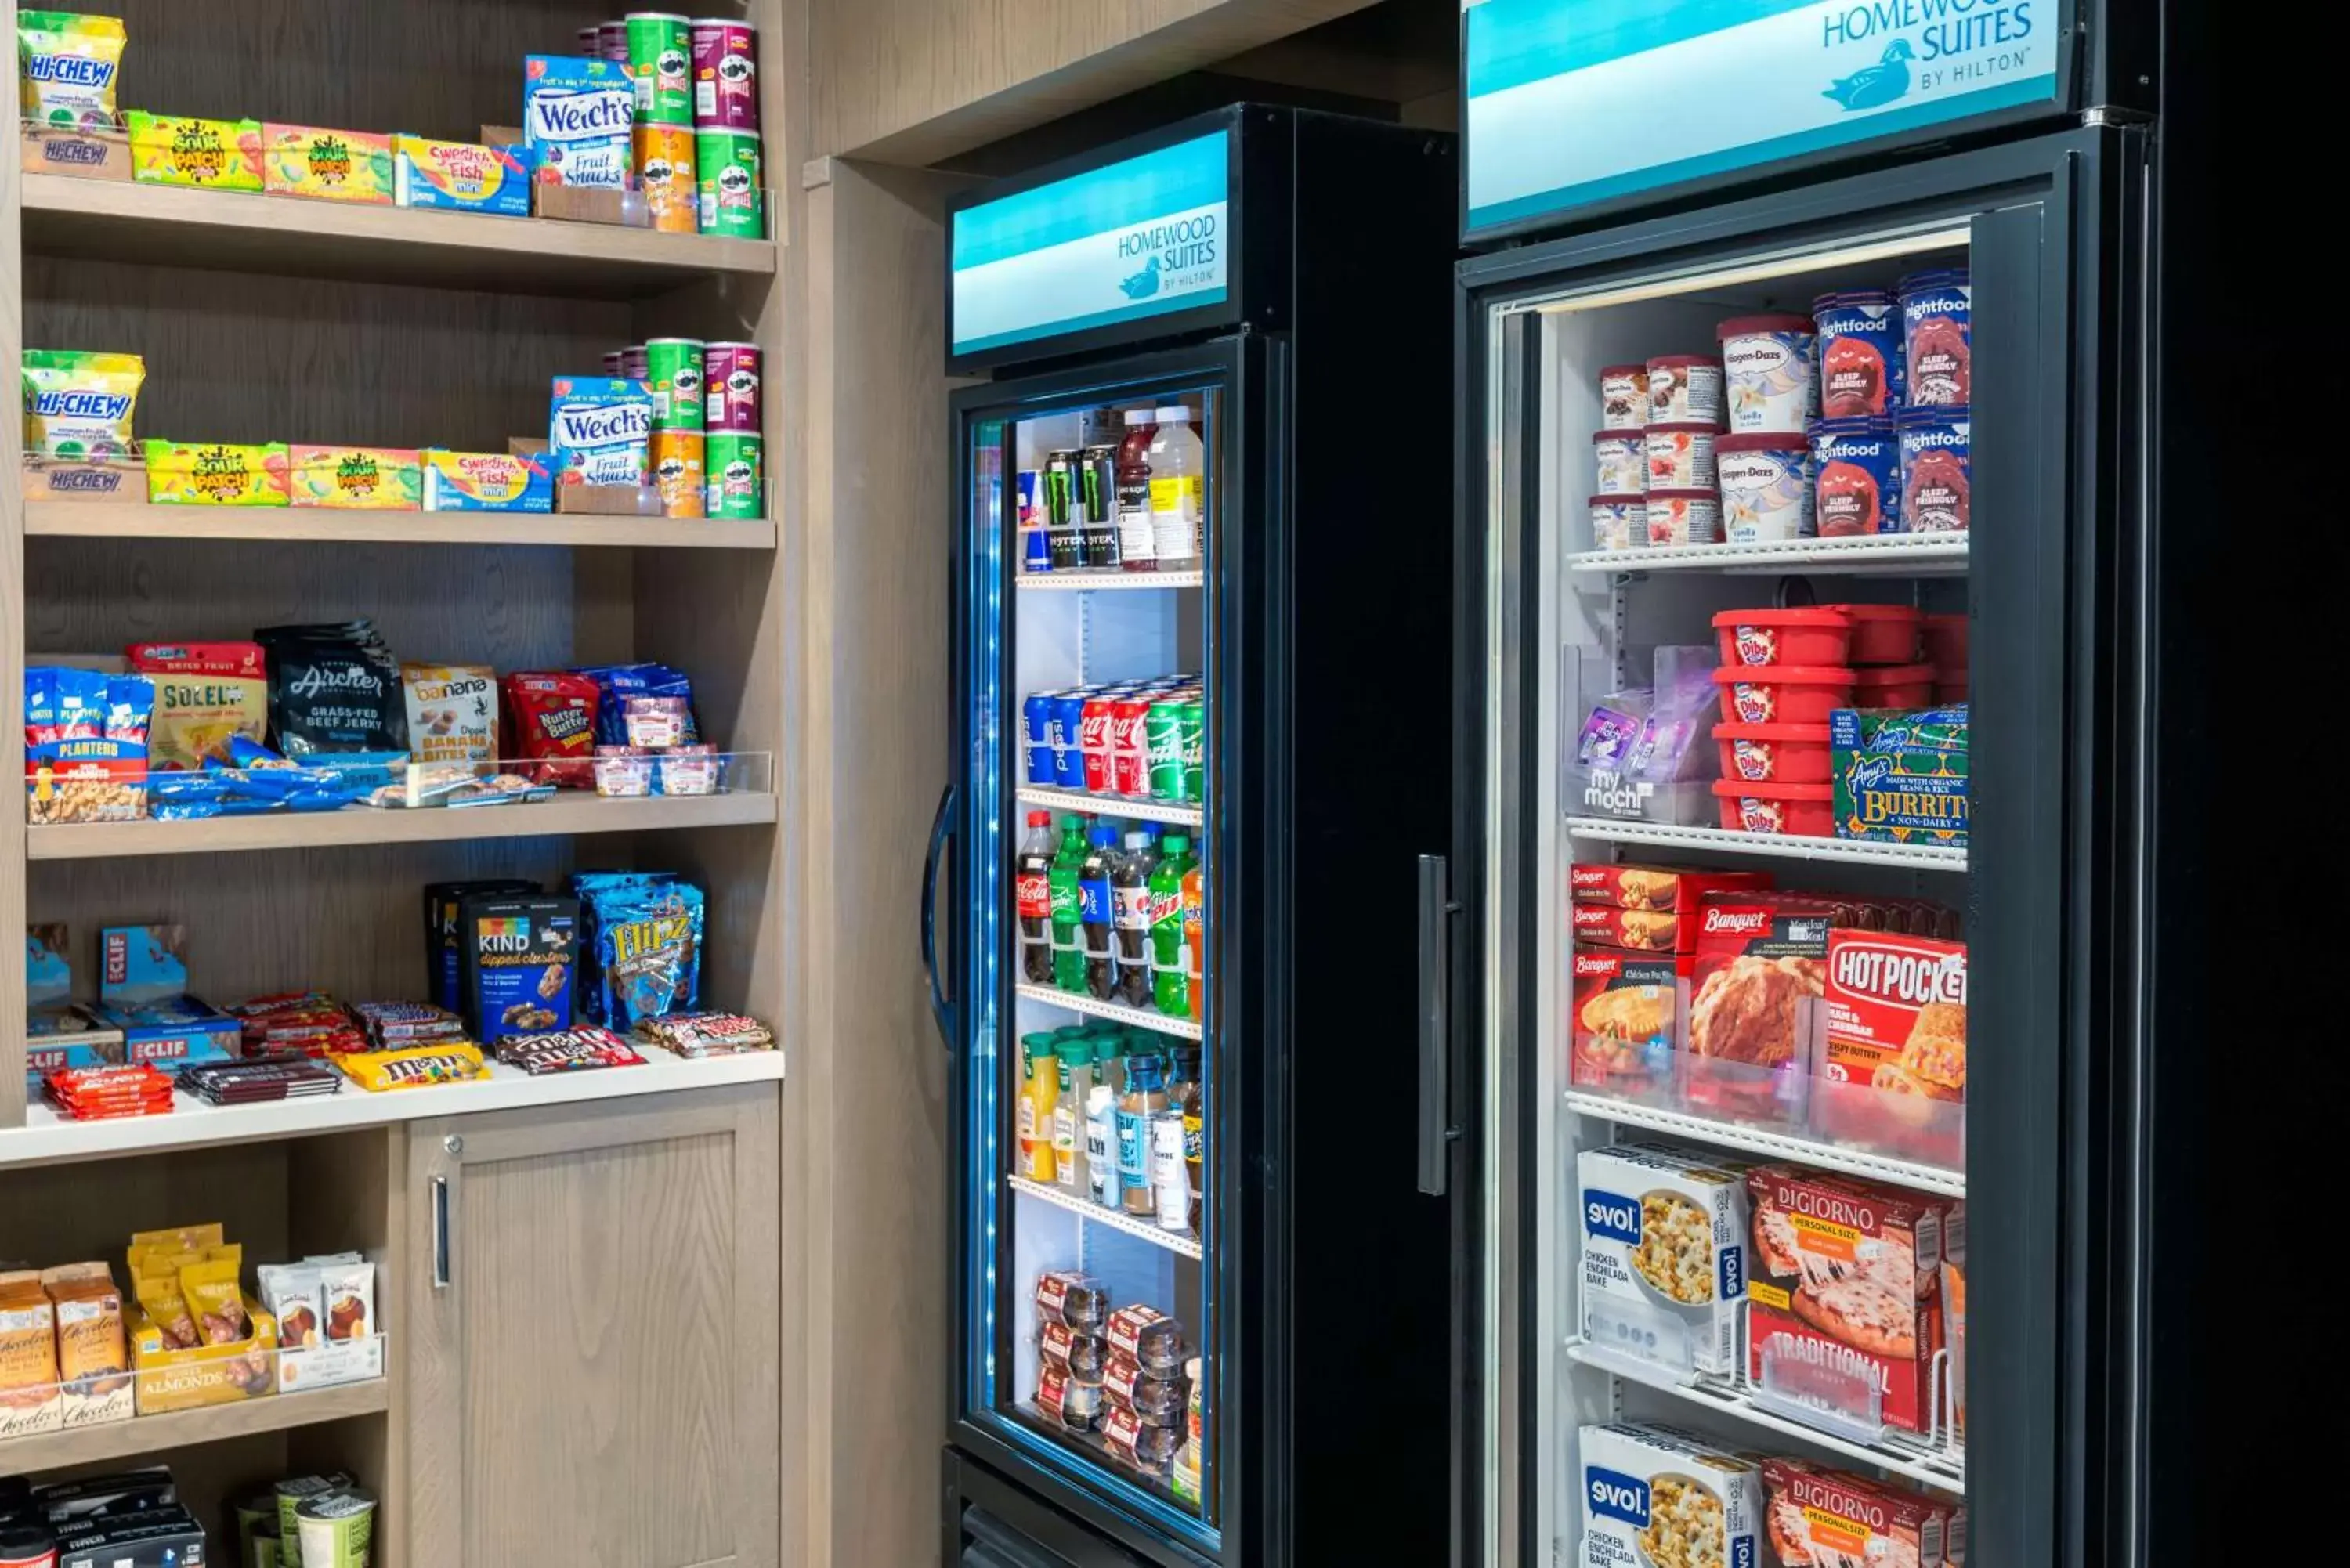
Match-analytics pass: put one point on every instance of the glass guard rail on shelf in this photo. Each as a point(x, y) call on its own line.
point(162, 1382)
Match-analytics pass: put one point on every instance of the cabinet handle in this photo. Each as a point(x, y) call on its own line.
point(442, 1253)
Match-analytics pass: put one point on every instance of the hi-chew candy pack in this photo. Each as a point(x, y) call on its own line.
point(78, 404)
point(65, 67)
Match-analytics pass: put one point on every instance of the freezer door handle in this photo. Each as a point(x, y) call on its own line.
point(1436, 1129)
point(942, 1010)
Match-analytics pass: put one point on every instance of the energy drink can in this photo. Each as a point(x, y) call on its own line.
point(1096, 492)
point(673, 367)
point(678, 472)
point(664, 156)
point(725, 75)
point(660, 64)
point(730, 386)
point(734, 476)
point(733, 176)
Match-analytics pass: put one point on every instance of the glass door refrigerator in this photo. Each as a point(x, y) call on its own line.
point(1801, 503)
point(1201, 624)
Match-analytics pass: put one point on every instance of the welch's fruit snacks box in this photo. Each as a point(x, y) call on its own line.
point(599, 430)
point(576, 116)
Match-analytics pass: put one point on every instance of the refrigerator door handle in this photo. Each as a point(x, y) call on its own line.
point(1436, 1129)
point(942, 1010)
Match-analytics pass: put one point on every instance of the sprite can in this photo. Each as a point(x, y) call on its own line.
point(673, 366)
point(732, 471)
point(732, 177)
point(1191, 715)
point(1163, 744)
point(660, 66)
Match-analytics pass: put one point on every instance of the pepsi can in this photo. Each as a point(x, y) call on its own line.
point(1036, 728)
point(1065, 718)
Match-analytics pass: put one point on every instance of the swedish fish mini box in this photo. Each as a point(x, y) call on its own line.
point(460, 176)
point(486, 482)
point(216, 473)
point(211, 154)
point(368, 478)
point(330, 165)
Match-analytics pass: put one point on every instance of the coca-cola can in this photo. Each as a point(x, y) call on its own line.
point(1094, 739)
point(725, 75)
point(730, 386)
point(1130, 751)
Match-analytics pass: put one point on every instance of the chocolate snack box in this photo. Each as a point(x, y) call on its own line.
point(1901, 774)
point(169, 1379)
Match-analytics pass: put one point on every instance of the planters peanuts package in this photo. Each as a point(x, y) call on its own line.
point(599, 430)
point(643, 930)
point(576, 117)
point(516, 954)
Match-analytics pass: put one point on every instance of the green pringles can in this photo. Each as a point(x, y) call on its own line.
point(660, 66)
point(733, 474)
point(732, 171)
point(673, 370)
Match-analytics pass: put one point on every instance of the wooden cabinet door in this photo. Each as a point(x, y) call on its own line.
point(593, 1336)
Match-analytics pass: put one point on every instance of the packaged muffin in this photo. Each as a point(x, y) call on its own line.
point(1156, 1401)
point(1075, 1405)
point(1075, 1300)
point(1079, 1354)
point(1133, 1441)
point(1152, 1339)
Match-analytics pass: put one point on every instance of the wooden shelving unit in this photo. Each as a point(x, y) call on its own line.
point(132, 520)
point(141, 1434)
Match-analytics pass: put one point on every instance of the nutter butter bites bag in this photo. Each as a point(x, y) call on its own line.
point(553, 718)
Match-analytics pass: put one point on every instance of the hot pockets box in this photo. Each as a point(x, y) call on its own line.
point(211, 154)
point(1664, 1254)
point(1893, 1072)
point(358, 478)
point(460, 176)
point(217, 474)
point(330, 165)
point(578, 120)
point(486, 482)
point(1662, 1497)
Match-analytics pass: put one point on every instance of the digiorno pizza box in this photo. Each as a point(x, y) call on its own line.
point(1843, 1275)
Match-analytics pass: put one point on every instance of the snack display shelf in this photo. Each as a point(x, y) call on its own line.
point(46, 1137)
point(114, 1440)
point(1138, 1017)
point(569, 813)
point(137, 520)
point(239, 231)
point(1789, 846)
point(1917, 1461)
point(1776, 1145)
point(1083, 581)
point(1179, 1242)
point(1898, 554)
point(1112, 806)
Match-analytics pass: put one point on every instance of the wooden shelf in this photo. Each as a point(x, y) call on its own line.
point(159, 1434)
point(132, 520)
point(572, 812)
point(242, 231)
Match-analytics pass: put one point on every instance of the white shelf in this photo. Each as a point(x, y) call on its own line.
point(1785, 846)
point(1932, 1467)
point(1104, 578)
point(48, 1139)
point(1117, 806)
point(1907, 554)
point(1179, 1242)
point(1140, 1017)
point(1779, 1145)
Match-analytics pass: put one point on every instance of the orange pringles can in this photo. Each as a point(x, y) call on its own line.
point(664, 156)
point(678, 469)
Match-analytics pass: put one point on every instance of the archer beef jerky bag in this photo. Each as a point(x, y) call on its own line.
point(333, 688)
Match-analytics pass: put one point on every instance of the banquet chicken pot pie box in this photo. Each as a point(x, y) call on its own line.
point(1664, 1255)
point(1656, 1496)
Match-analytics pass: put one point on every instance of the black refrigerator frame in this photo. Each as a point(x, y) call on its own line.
point(1333, 1297)
point(2060, 229)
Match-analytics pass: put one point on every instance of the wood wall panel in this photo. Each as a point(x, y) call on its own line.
point(914, 81)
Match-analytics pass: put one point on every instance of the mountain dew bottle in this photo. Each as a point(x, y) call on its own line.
point(1171, 990)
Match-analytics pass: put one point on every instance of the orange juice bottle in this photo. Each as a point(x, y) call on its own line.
point(1195, 936)
point(1040, 1090)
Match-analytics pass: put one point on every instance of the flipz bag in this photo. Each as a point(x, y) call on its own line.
point(645, 933)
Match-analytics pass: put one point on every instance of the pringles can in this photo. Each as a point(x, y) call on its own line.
point(725, 75)
point(678, 472)
point(734, 474)
point(616, 361)
point(612, 43)
point(635, 363)
point(673, 367)
point(664, 156)
point(730, 386)
point(591, 42)
point(660, 65)
point(732, 177)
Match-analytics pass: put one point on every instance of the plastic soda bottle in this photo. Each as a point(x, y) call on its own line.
point(1068, 943)
point(1178, 490)
point(1137, 536)
point(1195, 938)
point(1169, 988)
point(1032, 883)
point(1093, 878)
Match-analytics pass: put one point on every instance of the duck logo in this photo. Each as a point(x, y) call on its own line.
point(1873, 86)
point(1141, 285)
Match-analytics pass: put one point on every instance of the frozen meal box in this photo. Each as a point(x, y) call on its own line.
point(1844, 1283)
point(1901, 774)
point(1819, 1517)
point(359, 478)
point(460, 176)
point(212, 154)
point(331, 165)
point(1625, 1020)
point(1655, 887)
point(216, 473)
point(1892, 1069)
point(1664, 1254)
point(1761, 963)
point(1662, 1497)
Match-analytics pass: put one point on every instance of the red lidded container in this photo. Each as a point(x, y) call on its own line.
point(1782, 693)
point(1814, 635)
point(1946, 643)
point(1775, 753)
point(1894, 685)
point(1882, 634)
point(1807, 810)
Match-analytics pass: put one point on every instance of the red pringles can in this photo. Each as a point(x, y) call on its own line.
point(725, 76)
point(612, 41)
point(1129, 754)
point(1097, 730)
point(729, 387)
